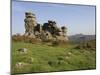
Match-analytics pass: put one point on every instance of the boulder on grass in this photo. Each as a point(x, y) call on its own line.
point(22, 50)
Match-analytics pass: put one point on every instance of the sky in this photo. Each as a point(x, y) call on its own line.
point(77, 18)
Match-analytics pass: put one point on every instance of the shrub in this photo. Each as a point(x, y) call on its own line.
point(87, 45)
point(55, 43)
point(26, 39)
point(17, 38)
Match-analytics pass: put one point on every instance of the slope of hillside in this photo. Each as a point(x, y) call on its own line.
point(44, 58)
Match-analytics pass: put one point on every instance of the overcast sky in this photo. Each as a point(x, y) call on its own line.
point(77, 18)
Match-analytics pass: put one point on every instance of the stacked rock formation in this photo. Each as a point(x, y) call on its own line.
point(30, 23)
point(46, 32)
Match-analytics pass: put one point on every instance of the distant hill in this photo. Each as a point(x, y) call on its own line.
point(81, 38)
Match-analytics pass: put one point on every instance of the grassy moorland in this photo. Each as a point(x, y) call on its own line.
point(47, 58)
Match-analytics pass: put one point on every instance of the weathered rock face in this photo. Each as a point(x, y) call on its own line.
point(45, 32)
point(30, 23)
point(46, 36)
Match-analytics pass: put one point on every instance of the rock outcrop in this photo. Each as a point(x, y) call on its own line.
point(46, 32)
point(30, 23)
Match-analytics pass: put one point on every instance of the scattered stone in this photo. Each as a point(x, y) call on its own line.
point(67, 57)
point(69, 53)
point(22, 50)
point(21, 65)
point(31, 60)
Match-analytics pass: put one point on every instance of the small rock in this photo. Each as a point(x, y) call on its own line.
point(22, 50)
point(66, 57)
point(69, 53)
point(21, 65)
point(31, 60)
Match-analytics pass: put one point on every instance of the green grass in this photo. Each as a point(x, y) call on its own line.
point(51, 58)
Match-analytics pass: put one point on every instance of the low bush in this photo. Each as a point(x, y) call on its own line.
point(26, 39)
point(87, 45)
